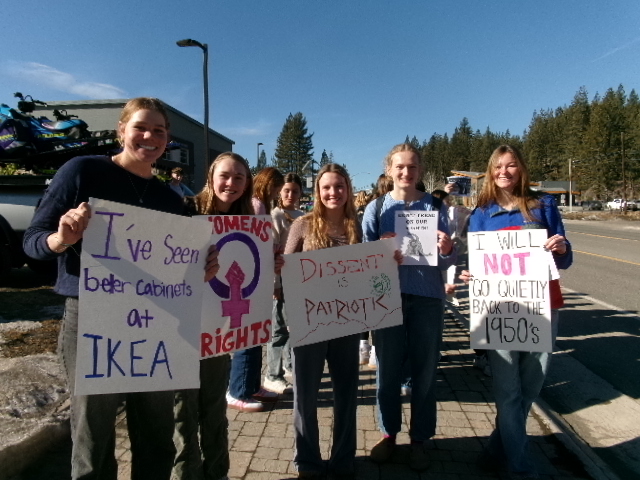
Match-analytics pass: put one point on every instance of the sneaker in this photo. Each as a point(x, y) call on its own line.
point(247, 406)
point(383, 450)
point(418, 457)
point(365, 353)
point(405, 390)
point(263, 395)
point(279, 385)
point(373, 361)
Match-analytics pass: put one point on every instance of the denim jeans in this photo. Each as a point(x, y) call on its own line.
point(205, 408)
point(245, 373)
point(517, 380)
point(93, 418)
point(419, 338)
point(278, 351)
point(341, 355)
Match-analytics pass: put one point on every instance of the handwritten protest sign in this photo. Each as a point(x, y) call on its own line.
point(237, 304)
point(509, 293)
point(417, 236)
point(141, 282)
point(340, 291)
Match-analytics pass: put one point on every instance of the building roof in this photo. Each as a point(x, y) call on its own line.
point(120, 102)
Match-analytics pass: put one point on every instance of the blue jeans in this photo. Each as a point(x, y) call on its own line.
point(278, 351)
point(517, 380)
point(419, 339)
point(341, 355)
point(245, 373)
point(206, 408)
point(93, 419)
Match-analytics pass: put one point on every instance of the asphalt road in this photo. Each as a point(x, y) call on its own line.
point(600, 325)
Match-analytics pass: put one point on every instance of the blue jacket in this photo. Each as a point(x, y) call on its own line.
point(546, 216)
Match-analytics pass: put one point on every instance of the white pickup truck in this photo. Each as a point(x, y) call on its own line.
point(619, 204)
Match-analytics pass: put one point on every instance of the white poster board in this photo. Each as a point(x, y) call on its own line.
point(462, 185)
point(417, 236)
point(341, 291)
point(237, 303)
point(509, 294)
point(141, 282)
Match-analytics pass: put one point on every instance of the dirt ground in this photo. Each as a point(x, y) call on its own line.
point(30, 314)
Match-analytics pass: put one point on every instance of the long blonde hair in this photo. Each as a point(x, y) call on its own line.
point(318, 226)
point(524, 197)
point(205, 201)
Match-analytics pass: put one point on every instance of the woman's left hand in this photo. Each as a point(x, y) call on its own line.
point(445, 244)
point(398, 257)
point(212, 266)
point(556, 244)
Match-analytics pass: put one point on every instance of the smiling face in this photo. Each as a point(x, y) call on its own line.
point(290, 194)
point(229, 182)
point(506, 173)
point(333, 190)
point(404, 169)
point(144, 137)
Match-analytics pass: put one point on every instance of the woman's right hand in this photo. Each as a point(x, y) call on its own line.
point(71, 227)
point(465, 276)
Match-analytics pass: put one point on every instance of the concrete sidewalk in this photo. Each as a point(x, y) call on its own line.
point(262, 443)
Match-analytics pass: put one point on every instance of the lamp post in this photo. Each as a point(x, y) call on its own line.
point(188, 42)
point(258, 154)
point(570, 188)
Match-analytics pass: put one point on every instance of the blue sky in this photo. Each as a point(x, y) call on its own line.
point(364, 73)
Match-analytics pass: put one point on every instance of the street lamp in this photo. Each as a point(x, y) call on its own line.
point(258, 154)
point(188, 42)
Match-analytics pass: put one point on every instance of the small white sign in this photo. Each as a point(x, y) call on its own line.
point(141, 282)
point(237, 304)
point(509, 294)
point(341, 291)
point(417, 236)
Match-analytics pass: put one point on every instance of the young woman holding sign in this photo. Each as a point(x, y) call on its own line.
point(419, 337)
point(228, 191)
point(331, 223)
point(507, 202)
point(56, 231)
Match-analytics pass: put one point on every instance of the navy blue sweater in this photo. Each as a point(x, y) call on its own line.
point(77, 180)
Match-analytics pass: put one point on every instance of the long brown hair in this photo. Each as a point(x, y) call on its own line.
point(263, 184)
point(205, 201)
point(289, 178)
point(524, 197)
point(318, 226)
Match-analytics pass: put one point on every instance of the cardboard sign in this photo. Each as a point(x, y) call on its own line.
point(462, 185)
point(340, 291)
point(417, 236)
point(237, 303)
point(509, 294)
point(141, 282)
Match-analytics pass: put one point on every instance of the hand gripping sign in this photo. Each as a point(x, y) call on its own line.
point(509, 294)
point(141, 282)
point(340, 291)
point(237, 303)
point(417, 236)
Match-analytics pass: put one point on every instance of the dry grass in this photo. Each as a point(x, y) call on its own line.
point(603, 215)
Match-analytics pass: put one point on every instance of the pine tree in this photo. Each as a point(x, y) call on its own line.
point(324, 158)
point(262, 160)
point(295, 147)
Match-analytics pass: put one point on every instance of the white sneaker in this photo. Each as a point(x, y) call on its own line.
point(244, 405)
point(373, 361)
point(278, 385)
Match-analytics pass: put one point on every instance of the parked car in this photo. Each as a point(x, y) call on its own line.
point(591, 205)
point(615, 204)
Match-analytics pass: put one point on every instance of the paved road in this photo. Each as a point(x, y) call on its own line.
point(605, 274)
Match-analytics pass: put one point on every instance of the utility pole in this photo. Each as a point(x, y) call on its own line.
point(624, 181)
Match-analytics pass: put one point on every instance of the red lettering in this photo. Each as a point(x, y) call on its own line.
point(264, 236)
point(206, 339)
point(231, 222)
point(266, 328)
point(218, 225)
